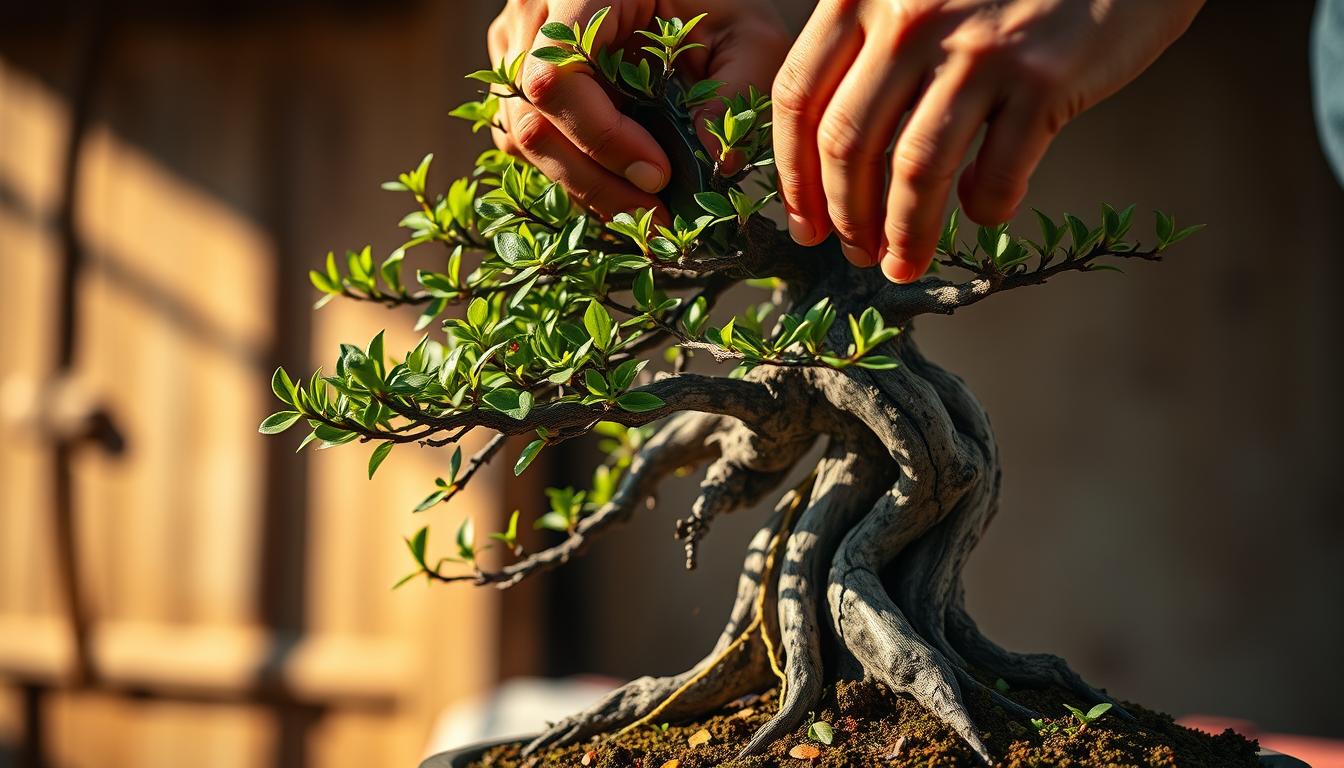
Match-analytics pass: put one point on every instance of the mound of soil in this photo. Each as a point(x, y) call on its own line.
point(871, 727)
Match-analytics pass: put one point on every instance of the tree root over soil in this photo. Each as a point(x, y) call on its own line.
point(873, 727)
point(858, 573)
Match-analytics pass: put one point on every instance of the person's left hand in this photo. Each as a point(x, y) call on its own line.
point(571, 129)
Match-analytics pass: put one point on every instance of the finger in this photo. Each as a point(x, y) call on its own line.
point(811, 73)
point(852, 140)
point(928, 151)
point(993, 185)
point(582, 109)
point(497, 44)
point(593, 186)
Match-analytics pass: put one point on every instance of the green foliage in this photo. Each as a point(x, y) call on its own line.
point(997, 255)
point(1080, 720)
point(531, 307)
point(1085, 719)
point(821, 731)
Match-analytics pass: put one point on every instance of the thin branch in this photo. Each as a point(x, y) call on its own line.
point(900, 303)
point(677, 445)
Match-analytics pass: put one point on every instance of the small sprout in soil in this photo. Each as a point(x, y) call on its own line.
point(662, 727)
point(1001, 685)
point(1042, 727)
point(699, 737)
point(805, 752)
point(1086, 718)
point(821, 731)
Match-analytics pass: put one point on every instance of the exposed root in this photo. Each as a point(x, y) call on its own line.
point(905, 491)
point(875, 630)
point(847, 481)
point(736, 666)
point(757, 630)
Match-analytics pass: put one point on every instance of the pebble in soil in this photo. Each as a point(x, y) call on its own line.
point(872, 727)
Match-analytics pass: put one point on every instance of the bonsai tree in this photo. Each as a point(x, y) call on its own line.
point(564, 314)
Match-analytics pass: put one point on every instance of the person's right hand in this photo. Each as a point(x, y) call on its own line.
point(1023, 67)
point(576, 135)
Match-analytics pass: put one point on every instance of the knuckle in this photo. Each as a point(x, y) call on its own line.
point(916, 164)
point(605, 135)
point(530, 130)
point(900, 236)
point(540, 83)
point(839, 137)
point(787, 96)
point(980, 43)
point(852, 225)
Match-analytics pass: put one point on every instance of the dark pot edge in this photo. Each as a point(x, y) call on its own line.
point(460, 758)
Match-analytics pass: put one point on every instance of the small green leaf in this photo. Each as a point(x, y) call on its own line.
point(529, 453)
point(431, 500)
point(376, 458)
point(466, 540)
point(878, 362)
point(417, 544)
point(478, 312)
point(278, 422)
point(557, 56)
point(510, 536)
point(284, 388)
point(552, 521)
point(454, 464)
point(715, 203)
point(512, 248)
point(561, 33)
point(821, 731)
point(590, 31)
point(509, 401)
point(596, 383)
point(639, 402)
point(1098, 711)
point(1184, 233)
point(599, 324)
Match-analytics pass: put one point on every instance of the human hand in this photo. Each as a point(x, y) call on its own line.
point(570, 128)
point(1025, 67)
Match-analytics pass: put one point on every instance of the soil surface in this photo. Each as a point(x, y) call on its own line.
point(871, 727)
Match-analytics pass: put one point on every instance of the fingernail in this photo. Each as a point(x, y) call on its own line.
point(646, 176)
point(899, 270)
point(856, 255)
point(801, 230)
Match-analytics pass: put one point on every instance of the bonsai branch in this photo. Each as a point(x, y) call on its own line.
point(680, 443)
point(900, 303)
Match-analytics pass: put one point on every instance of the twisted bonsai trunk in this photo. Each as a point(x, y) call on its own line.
point(870, 549)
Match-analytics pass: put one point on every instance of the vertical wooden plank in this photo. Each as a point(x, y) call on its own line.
point(32, 118)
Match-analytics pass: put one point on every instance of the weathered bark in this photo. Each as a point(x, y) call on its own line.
point(908, 483)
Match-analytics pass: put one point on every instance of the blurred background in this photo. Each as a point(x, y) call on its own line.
point(173, 586)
